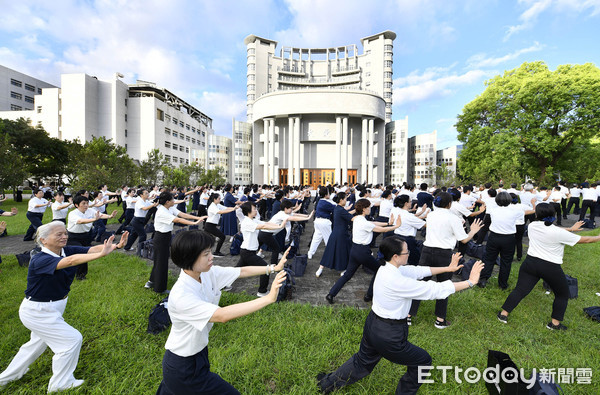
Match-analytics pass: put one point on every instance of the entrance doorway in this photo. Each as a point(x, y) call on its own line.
point(351, 177)
point(283, 177)
point(316, 177)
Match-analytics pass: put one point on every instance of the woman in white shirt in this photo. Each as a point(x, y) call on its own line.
point(385, 331)
point(360, 252)
point(194, 308)
point(574, 195)
point(544, 260)
point(60, 209)
point(250, 228)
point(35, 212)
point(410, 224)
point(142, 205)
point(129, 203)
point(502, 238)
point(555, 200)
point(166, 215)
point(444, 229)
point(215, 210)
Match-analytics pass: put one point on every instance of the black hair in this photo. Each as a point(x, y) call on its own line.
point(361, 205)
point(443, 200)
point(455, 194)
point(247, 190)
point(545, 212)
point(187, 246)
point(390, 246)
point(246, 208)
point(339, 197)
point(514, 197)
point(279, 195)
point(513, 185)
point(227, 188)
point(58, 193)
point(467, 188)
point(80, 198)
point(386, 193)
point(492, 192)
point(401, 200)
point(488, 185)
point(141, 191)
point(165, 197)
point(212, 198)
point(323, 191)
point(503, 199)
point(286, 204)
point(423, 186)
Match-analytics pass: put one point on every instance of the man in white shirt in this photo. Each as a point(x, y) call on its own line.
point(574, 195)
point(386, 328)
point(589, 199)
point(35, 212)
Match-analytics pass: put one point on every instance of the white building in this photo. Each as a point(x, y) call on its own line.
point(422, 158)
point(449, 156)
point(140, 117)
point(219, 154)
point(17, 90)
point(318, 114)
point(242, 153)
point(397, 164)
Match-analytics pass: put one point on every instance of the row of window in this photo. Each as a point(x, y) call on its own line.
point(182, 124)
point(177, 147)
point(183, 137)
point(19, 96)
point(28, 87)
point(177, 160)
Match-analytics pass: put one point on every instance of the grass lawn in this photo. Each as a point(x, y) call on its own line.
point(282, 348)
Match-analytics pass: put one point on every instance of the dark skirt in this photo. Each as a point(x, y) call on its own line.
point(337, 250)
point(229, 224)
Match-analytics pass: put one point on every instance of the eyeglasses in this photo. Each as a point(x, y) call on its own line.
point(405, 253)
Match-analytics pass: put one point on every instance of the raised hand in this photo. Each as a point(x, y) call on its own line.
point(283, 260)
point(277, 283)
point(454, 266)
point(475, 272)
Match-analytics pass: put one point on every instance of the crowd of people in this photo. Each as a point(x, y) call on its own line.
point(374, 226)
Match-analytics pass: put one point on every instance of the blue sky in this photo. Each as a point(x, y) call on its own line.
point(443, 53)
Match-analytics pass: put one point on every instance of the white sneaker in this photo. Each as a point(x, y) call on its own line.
point(231, 240)
point(261, 294)
point(260, 254)
point(319, 271)
point(342, 273)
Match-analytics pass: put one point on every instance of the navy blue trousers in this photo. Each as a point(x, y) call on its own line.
point(359, 255)
point(36, 222)
point(191, 375)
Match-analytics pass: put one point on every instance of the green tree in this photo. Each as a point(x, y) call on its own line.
point(12, 168)
point(214, 177)
point(151, 169)
point(528, 119)
point(102, 162)
point(177, 176)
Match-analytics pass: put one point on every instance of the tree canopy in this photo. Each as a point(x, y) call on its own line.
point(529, 121)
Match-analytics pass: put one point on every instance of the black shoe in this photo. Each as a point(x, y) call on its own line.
point(482, 283)
point(502, 318)
point(329, 298)
point(442, 324)
point(367, 298)
point(218, 253)
point(559, 327)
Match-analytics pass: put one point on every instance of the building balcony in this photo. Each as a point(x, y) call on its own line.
point(345, 70)
point(319, 81)
point(297, 71)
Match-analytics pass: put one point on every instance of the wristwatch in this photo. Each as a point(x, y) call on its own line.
point(470, 283)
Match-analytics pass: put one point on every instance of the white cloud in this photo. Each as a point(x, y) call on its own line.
point(481, 60)
point(222, 106)
point(433, 83)
point(529, 17)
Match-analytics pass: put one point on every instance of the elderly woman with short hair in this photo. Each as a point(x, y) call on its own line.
point(51, 273)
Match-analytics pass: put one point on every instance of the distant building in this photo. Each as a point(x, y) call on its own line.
point(318, 115)
point(422, 158)
point(219, 154)
point(17, 90)
point(397, 165)
point(449, 157)
point(242, 153)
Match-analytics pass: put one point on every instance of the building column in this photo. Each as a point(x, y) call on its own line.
point(290, 137)
point(371, 146)
point(344, 150)
point(338, 153)
point(297, 163)
point(266, 151)
point(272, 174)
point(363, 152)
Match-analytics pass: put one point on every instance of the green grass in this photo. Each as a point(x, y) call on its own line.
point(281, 348)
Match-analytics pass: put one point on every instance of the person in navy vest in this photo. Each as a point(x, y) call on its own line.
point(51, 273)
point(229, 220)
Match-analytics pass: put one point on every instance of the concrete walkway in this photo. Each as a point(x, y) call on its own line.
point(308, 289)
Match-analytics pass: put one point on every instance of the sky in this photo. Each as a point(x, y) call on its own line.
point(443, 54)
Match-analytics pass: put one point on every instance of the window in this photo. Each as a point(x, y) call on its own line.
point(251, 77)
point(181, 148)
point(125, 146)
point(175, 121)
point(167, 144)
point(388, 47)
point(125, 132)
point(175, 159)
point(181, 123)
point(29, 99)
point(387, 63)
point(175, 134)
point(168, 131)
point(125, 102)
point(251, 87)
point(251, 97)
point(368, 84)
point(160, 114)
point(187, 126)
point(125, 117)
point(193, 129)
point(203, 134)
point(387, 74)
point(193, 141)
point(387, 95)
point(14, 107)
point(30, 88)
point(16, 95)
point(16, 82)
point(167, 118)
point(39, 91)
point(187, 138)
point(168, 157)
point(187, 150)
point(39, 109)
point(252, 67)
point(251, 51)
point(175, 146)
point(387, 84)
point(182, 136)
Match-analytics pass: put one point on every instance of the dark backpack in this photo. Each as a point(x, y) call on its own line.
point(545, 386)
point(159, 319)
point(571, 282)
point(236, 244)
point(146, 249)
point(298, 265)
point(287, 288)
point(588, 224)
point(465, 272)
point(24, 258)
point(475, 250)
point(593, 312)
point(105, 236)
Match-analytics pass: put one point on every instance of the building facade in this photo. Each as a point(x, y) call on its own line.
point(422, 158)
point(242, 153)
point(140, 117)
point(318, 115)
point(397, 164)
point(449, 157)
point(220, 155)
point(17, 90)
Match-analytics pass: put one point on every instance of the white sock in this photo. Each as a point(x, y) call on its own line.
point(319, 271)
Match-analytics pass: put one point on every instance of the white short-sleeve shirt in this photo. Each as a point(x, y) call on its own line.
point(410, 222)
point(385, 207)
point(139, 205)
point(362, 230)
point(459, 210)
point(34, 201)
point(444, 229)
point(278, 219)
point(163, 219)
point(504, 219)
point(548, 242)
point(76, 215)
point(191, 305)
point(250, 233)
point(62, 213)
point(130, 202)
point(213, 213)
